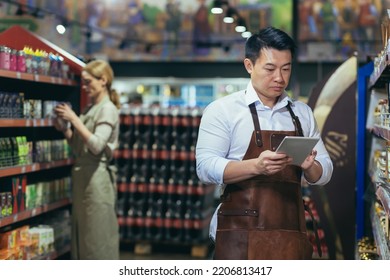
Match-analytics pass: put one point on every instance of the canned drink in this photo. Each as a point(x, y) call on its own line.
point(21, 61)
point(13, 60)
point(5, 57)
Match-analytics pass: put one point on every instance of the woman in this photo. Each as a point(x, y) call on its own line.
point(93, 137)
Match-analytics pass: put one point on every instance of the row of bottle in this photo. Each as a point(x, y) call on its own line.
point(14, 105)
point(156, 171)
point(18, 194)
point(157, 128)
point(14, 151)
point(177, 198)
point(165, 226)
point(33, 61)
point(148, 207)
point(19, 151)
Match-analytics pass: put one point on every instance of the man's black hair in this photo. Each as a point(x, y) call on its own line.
point(269, 37)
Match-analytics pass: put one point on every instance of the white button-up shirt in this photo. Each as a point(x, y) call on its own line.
point(226, 128)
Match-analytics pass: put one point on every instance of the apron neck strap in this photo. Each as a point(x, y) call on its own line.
point(295, 119)
point(256, 123)
point(255, 118)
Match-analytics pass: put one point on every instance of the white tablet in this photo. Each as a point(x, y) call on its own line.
point(297, 147)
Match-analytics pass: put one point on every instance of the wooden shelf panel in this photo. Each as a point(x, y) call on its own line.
point(33, 212)
point(16, 170)
point(37, 78)
point(26, 122)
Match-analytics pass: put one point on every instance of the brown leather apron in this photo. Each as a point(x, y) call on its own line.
point(263, 217)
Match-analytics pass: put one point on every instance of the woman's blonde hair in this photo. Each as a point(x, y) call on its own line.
point(99, 68)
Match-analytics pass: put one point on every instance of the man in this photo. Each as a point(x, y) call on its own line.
point(261, 215)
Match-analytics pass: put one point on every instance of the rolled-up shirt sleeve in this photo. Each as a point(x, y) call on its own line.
point(212, 146)
point(98, 141)
point(102, 137)
point(327, 170)
point(322, 154)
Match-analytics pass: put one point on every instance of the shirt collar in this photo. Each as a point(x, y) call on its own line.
point(251, 97)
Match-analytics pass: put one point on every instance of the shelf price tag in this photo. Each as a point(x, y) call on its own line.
point(18, 75)
point(36, 77)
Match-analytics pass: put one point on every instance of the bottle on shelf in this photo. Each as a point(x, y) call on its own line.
point(153, 221)
point(172, 226)
point(135, 224)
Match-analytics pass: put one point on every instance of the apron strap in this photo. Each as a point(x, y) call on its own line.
point(295, 119)
point(112, 171)
point(256, 123)
point(315, 229)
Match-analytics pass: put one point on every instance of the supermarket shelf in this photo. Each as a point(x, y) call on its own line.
point(379, 236)
point(26, 122)
point(54, 255)
point(199, 223)
point(37, 78)
point(16, 170)
point(161, 188)
point(33, 212)
point(381, 131)
point(383, 194)
point(380, 74)
point(155, 154)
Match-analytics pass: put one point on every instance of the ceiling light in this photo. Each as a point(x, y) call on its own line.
point(61, 29)
point(246, 34)
point(216, 10)
point(217, 7)
point(240, 25)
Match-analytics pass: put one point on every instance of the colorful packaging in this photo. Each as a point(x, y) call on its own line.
point(8, 239)
point(19, 193)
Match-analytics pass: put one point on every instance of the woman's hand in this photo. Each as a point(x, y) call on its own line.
point(64, 112)
point(60, 124)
